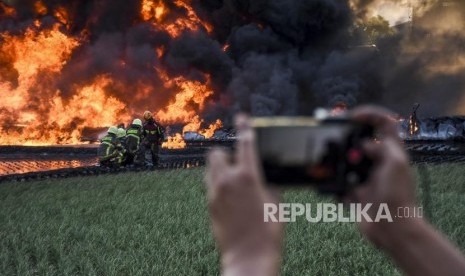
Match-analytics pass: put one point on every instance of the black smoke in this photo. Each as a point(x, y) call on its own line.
point(285, 57)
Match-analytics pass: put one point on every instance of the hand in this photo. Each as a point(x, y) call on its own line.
point(416, 247)
point(236, 196)
point(391, 180)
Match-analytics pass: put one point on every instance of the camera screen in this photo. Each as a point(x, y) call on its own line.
point(298, 145)
point(301, 151)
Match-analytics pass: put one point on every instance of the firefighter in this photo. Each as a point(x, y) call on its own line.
point(110, 149)
point(121, 135)
point(134, 135)
point(153, 136)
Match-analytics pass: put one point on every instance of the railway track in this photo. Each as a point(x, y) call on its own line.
point(19, 164)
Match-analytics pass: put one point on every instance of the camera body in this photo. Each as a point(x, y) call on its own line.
point(304, 151)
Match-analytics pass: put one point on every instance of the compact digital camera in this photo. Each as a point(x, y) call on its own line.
point(304, 151)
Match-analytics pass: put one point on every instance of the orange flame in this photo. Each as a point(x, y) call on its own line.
point(174, 142)
point(55, 49)
point(180, 109)
point(210, 131)
point(155, 11)
point(61, 14)
point(195, 126)
point(6, 11)
point(40, 8)
point(33, 61)
point(413, 127)
point(190, 99)
point(160, 51)
point(177, 141)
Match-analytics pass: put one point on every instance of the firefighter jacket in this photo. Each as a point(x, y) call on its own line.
point(153, 132)
point(109, 147)
point(134, 136)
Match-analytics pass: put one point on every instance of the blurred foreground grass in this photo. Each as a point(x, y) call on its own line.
point(156, 223)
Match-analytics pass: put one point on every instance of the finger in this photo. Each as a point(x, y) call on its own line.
point(349, 199)
point(395, 152)
point(374, 150)
point(246, 154)
point(388, 149)
point(362, 193)
point(276, 195)
point(379, 117)
point(217, 163)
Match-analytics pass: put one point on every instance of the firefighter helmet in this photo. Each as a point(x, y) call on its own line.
point(147, 115)
point(121, 132)
point(113, 130)
point(137, 122)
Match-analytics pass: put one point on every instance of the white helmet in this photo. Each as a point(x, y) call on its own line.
point(113, 130)
point(121, 132)
point(137, 122)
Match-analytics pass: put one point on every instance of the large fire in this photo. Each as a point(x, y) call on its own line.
point(177, 141)
point(35, 110)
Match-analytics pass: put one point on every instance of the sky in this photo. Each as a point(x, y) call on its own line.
point(394, 13)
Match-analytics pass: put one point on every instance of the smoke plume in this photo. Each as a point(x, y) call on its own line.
point(281, 57)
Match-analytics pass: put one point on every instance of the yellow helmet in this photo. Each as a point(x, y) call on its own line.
point(147, 115)
point(121, 132)
point(113, 130)
point(137, 122)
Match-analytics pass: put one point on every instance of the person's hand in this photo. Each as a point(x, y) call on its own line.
point(236, 196)
point(391, 180)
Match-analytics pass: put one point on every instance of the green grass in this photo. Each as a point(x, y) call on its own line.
point(156, 223)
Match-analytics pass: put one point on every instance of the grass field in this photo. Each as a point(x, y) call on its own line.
point(156, 223)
